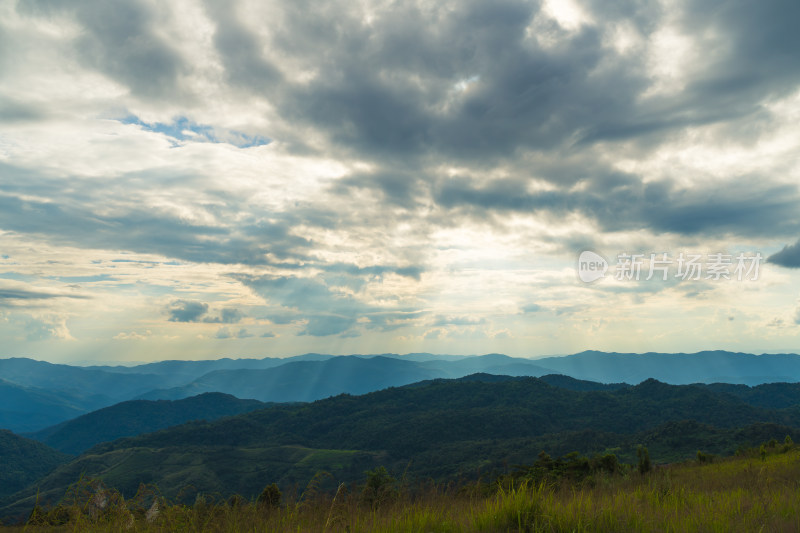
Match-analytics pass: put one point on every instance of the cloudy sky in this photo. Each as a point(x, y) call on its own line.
point(195, 180)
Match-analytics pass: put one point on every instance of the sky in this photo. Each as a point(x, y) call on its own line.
point(194, 180)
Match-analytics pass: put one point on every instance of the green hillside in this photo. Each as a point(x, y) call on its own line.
point(408, 420)
point(444, 429)
point(24, 461)
point(137, 417)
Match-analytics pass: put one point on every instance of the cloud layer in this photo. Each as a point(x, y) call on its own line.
point(392, 177)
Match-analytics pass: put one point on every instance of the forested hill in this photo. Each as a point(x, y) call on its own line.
point(442, 429)
point(410, 418)
point(35, 395)
point(140, 416)
point(23, 461)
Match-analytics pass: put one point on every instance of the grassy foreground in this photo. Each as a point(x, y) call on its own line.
point(757, 491)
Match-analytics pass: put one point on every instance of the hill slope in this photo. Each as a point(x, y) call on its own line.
point(139, 416)
point(24, 461)
point(304, 381)
point(442, 429)
point(771, 395)
point(80, 380)
point(25, 409)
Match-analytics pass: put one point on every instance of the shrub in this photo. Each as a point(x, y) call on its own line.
point(644, 459)
point(379, 487)
point(704, 457)
point(270, 497)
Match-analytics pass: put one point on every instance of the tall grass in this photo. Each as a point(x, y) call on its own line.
point(735, 494)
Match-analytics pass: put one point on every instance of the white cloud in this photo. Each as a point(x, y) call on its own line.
point(133, 335)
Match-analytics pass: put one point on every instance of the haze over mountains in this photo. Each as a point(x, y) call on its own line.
point(679, 368)
point(35, 395)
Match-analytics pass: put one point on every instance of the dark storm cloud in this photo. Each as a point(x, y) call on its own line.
point(757, 47)
point(744, 56)
point(788, 257)
point(742, 206)
point(389, 91)
point(465, 81)
point(228, 316)
point(241, 51)
point(399, 188)
point(119, 39)
point(390, 87)
point(393, 88)
point(194, 311)
point(13, 297)
point(69, 218)
point(186, 311)
point(14, 111)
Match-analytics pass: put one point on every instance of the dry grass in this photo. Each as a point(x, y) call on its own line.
point(735, 494)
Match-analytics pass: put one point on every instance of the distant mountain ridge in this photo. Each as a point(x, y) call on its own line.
point(304, 381)
point(25, 409)
point(678, 368)
point(36, 394)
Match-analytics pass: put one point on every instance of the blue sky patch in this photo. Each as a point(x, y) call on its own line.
point(184, 130)
point(84, 279)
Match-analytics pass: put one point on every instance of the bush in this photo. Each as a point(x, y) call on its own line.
point(270, 497)
point(608, 463)
point(379, 487)
point(704, 457)
point(644, 459)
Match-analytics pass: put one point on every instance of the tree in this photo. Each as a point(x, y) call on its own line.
point(270, 497)
point(380, 487)
point(644, 459)
point(609, 463)
point(704, 457)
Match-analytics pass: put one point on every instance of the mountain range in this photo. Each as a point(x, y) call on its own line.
point(35, 395)
point(678, 368)
point(443, 429)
